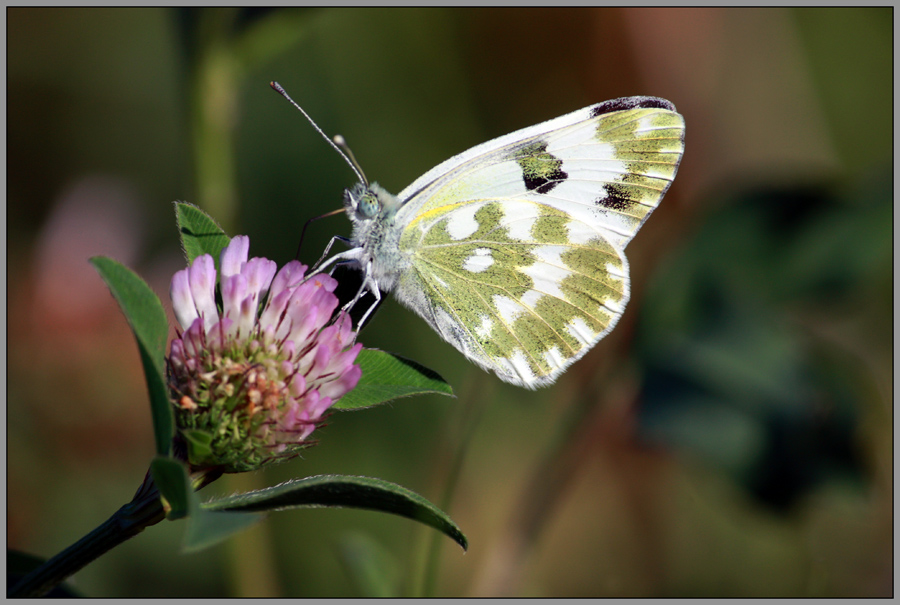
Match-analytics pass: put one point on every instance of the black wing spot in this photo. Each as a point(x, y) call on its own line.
point(545, 184)
point(541, 171)
point(616, 197)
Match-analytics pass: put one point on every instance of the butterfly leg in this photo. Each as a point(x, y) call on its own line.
point(317, 268)
point(352, 258)
point(368, 285)
point(348, 257)
point(372, 286)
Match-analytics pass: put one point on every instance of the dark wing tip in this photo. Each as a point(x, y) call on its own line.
point(630, 103)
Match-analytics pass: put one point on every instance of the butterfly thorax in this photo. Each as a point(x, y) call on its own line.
point(372, 210)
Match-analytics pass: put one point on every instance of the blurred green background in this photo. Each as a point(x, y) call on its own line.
point(733, 435)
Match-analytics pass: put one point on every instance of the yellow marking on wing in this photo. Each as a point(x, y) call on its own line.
point(436, 211)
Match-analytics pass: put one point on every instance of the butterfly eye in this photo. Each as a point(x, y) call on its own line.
point(368, 205)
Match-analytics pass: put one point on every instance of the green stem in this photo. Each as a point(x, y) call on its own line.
point(144, 510)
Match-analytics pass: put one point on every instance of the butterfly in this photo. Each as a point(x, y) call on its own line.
point(513, 251)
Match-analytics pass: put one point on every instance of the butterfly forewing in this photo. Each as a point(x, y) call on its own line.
point(516, 245)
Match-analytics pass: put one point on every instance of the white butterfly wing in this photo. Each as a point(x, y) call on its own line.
point(516, 245)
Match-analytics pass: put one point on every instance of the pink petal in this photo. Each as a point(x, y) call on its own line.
point(316, 410)
point(234, 291)
point(202, 276)
point(176, 353)
point(297, 385)
point(193, 338)
point(271, 316)
point(343, 384)
point(247, 317)
point(234, 255)
point(182, 301)
point(259, 273)
point(304, 322)
point(290, 275)
point(220, 333)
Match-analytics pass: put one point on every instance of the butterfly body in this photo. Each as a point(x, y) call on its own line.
point(513, 251)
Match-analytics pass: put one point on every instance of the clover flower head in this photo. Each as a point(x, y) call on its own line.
point(250, 381)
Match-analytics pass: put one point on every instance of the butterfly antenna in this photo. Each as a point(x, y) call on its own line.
point(340, 142)
point(353, 165)
point(306, 224)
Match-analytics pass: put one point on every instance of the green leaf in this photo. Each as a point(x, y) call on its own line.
point(199, 444)
point(147, 319)
point(386, 377)
point(171, 478)
point(207, 528)
point(343, 491)
point(200, 234)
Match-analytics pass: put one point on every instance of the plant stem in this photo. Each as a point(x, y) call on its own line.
point(144, 510)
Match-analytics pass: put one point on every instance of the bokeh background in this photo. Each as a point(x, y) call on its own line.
point(732, 437)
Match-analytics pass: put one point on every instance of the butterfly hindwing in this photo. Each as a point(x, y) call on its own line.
point(522, 302)
point(516, 246)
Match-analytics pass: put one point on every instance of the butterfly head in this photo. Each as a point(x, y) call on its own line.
point(365, 202)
